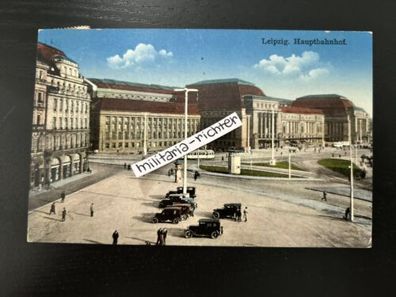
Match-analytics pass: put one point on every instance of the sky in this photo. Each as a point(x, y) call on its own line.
point(268, 58)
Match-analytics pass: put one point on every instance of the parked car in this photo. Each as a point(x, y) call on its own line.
point(179, 190)
point(186, 208)
point(177, 198)
point(172, 214)
point(230, 210)
point(206, 228)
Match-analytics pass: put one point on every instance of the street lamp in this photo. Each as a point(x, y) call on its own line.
point(186, 90)
point(351, 157)
point(273, 161)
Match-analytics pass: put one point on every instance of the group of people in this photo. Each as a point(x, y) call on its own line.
point(64, 212)
point(53, 211)
point(161, 236)
point(238, 216)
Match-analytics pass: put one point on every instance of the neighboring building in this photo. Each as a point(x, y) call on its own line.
point(60, 130)
point(136, 118)
point(338, 110)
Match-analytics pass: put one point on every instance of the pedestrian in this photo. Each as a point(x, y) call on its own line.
point(245, 214)
point(64, 214)
point(91, 208)
point(125, 165)
point(196, 175)
point(324, 198)
point(347, 215)
point(238, 215)
point(160, 237)
point(115, 237)
point(222, 158)
point(164, 234)
point(52, 210)
point(63, 196)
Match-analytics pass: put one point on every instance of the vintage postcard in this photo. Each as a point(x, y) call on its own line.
point(192, 137)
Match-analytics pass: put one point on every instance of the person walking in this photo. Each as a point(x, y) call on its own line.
point(63, 196)
point(91, 208)
point(245, 214)
point(52, 210)
point(196, 175)
point(164, 234)
point(160, 237)
point(115, 237)
point(347, 215)
point(64, 214)
point(324, 198)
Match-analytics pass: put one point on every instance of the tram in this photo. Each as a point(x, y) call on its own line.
point(201, 154)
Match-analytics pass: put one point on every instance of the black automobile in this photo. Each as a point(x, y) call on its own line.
point(206, 228)
point(177, 198)
point(172, 214)
point(190, 190)
point(186, 209)
point(230, 210)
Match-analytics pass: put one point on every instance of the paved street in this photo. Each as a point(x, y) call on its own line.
point(280, 214)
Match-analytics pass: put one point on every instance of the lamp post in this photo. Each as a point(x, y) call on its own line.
point(351, 157)
point(145, 135)
point(289, 165)
point(273, 161)
point(186, 90)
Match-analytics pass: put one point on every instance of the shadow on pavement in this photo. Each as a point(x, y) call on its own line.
point(176, 232)
point(80, 214)
point(146, 242)
point(41, 211)
point(92, 241)
point(158, 197)
point(53, 219)
point(153, 203)
point(145, 217)
point(205, 214)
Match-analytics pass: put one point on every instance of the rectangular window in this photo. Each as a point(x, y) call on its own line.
point(40, 97)
point(60, 123)
point(54, 123)
point(61, 105)
point(38, 119)
point(107, 145)
point(55, 104)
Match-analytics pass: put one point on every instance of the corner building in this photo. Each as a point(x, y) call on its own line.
point(60, 128)
point(130, 117)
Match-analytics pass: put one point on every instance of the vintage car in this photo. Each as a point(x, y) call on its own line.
point(206, 228)
point(179, 190)
point(230, 210)
point(172, 214)
point(186, 208)
point(177, 198)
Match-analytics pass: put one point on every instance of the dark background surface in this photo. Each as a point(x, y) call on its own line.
point(75, 270)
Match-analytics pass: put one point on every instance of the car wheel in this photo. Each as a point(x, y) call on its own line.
point(155, 220)
point(214, 234)
point(188, 234)
point(184, 217)
point(176, 220)
point(216, 215)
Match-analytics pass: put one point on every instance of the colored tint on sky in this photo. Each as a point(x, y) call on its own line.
point(176, 57)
